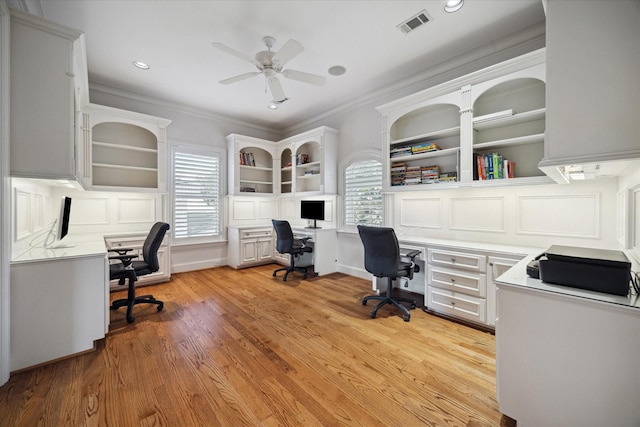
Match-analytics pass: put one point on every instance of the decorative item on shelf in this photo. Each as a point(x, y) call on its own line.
point(302, 158)
point(398, 171)
point(311, 172)
point(247, 189)
point(247, 159)
point(492, 166)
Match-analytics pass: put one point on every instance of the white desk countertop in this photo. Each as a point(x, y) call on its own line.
point(517, 276)
point(82, 245)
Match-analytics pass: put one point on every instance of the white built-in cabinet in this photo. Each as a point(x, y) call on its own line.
point(305, 164)
point(47, 72)
point(460, 282)
point(593, 90)
point(250, 246)
point(434, 138)
point(123, 150)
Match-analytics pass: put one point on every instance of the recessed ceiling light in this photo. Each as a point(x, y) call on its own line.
point(141, 65)
point(273, 106)
point(337, 70)
point(453, 5)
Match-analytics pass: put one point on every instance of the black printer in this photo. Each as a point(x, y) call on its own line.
point(598, 270)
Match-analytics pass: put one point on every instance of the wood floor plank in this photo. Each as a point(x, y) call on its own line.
point(245, 348)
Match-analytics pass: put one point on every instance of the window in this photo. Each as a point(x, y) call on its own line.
point(363, 193)
point(196, 195)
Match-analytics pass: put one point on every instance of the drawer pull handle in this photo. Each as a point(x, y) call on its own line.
point(453, 260)
point(453, 280)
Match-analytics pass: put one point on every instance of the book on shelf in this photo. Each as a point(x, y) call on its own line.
point(302, 158)
point(247, 159)
point(492, 166)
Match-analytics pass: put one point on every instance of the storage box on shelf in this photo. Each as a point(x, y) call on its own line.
point(123, 150)
point(434, 131)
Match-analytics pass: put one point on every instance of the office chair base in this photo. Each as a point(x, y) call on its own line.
point(387, 299)
point(288, 270)
point(129, 303)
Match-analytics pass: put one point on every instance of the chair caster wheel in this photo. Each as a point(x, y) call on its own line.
point(406, 318)
point(130, 319)
point(274, 274)
point(373, 314)
point(413, 305)
point(160, 307)
point(364, 302)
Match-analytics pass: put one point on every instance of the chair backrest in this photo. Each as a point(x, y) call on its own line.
point(152, 244)
point(381, 250)
point(284, 236)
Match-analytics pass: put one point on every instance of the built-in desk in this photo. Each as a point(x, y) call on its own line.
point(59, 301)
point(324, 242)
point(566, 356)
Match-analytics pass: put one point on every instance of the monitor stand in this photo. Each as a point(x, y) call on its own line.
point(315, 225)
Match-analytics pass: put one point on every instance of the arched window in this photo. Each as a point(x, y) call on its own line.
point(362, 197)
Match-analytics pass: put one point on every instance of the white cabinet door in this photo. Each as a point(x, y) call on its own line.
point(57, 308)
point(42, 98)
point(497, 266)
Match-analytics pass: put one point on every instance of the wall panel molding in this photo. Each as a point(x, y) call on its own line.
point(135, 210)
point(477, 214)
point(421, 212)
point(566, 215)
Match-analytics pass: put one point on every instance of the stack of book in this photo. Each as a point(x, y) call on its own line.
point(448, 177)
point(398, 171)
point(246, 159)
point(492, 166)
point(400, 152)
point(424, 147)
point(412, 176)
point(430, 174)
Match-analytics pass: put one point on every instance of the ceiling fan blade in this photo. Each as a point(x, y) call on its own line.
point(290, 50)
point(276, 89)
point(239, 78)
point(235, 53)
point(304, 77)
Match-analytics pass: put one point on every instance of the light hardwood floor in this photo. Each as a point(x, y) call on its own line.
point(241, 348)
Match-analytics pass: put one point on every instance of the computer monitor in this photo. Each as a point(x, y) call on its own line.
point(60, 226)
point(312, 209)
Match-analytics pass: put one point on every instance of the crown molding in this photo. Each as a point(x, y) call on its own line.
point(33, 7)
point(515, 44)
point(101, 87)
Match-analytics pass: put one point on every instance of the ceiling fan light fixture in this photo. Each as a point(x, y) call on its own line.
point(453, 5)
point(337, 70)
point(141, 65)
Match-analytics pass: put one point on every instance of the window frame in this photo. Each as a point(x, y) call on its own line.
point(360, 156)
point(222, 158)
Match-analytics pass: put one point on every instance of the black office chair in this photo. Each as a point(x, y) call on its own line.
point(287, 244)
point(382, 259)
point(130, 269)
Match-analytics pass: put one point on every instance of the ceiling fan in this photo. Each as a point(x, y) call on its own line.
point(271, 64)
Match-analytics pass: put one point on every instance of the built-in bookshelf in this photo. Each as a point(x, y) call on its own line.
point(486, 128)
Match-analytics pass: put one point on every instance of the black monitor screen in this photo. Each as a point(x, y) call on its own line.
point(63, 219)
point(312, 209)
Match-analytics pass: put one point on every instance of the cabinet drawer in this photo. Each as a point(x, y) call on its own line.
point(464, 260)
point(254, 234)
point(466, 282)
point(456, 304)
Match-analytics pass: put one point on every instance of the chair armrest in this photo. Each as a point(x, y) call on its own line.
point(125, 259)
point(412, 254)
point(120, 251)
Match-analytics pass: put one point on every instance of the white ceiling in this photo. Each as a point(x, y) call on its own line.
point(174, 38)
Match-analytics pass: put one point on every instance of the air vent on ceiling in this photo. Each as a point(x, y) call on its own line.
point(414, 22)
